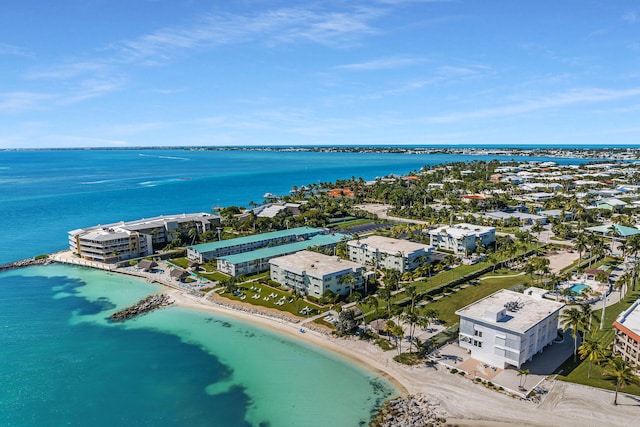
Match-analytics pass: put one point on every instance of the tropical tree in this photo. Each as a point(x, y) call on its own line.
point(349, 281)
point(396, 332)
point(587, 317)
point(592, 350)
point(391, 279)
point(573, 319)
point(385, 294)
point(621, 373)
point(372, 300)
point(522, 374)
point(412, 318)
point(347, 322)
point(581, 243)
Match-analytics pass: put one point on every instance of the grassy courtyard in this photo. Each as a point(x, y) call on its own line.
point(578, 372)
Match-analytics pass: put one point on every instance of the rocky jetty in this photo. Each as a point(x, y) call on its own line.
point(411, 411)
point(143, 306)
point(43, 260)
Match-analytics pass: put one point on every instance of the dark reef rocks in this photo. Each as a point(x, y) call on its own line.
point(145, 305)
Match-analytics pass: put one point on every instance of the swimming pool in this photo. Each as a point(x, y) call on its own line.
point(577, 288)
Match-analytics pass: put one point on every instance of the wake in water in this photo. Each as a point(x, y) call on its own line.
point(164, 157)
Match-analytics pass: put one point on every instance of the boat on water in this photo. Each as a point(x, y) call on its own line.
point(269, 196)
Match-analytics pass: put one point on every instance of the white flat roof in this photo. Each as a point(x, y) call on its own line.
point(532, 310)
point(314, 264)
point(389, 245)
point(630, 318)
point(463, 229)
point(146, 223)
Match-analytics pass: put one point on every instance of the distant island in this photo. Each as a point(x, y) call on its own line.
point(610, 153)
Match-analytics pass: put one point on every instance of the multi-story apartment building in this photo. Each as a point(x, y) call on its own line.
point(508, 328)
point(256, 261)
point(627, 339)
point(462, 238)
point(312, 273)
point(132, 239)
point(385, 252)
point(207, 251)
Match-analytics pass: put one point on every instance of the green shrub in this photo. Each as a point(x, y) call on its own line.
point(42, 256)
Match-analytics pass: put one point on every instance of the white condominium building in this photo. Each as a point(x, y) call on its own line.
point(385, 252)
point(508, 328)
point(312, 273)
point(462, 238)
point(627, 340)
point(132, 239)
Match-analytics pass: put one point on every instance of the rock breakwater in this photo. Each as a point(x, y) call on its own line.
point(145, 305)
point(411, 411)
point(44, 260)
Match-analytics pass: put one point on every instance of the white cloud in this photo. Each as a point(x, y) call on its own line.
point(67, 71)
point(19, 101)
point(7, 49)
point(383, 63)
point(576, 96)
point(631, 17)
point(85, 141)
point(289, 25)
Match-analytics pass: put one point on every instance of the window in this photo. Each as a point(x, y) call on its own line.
point(477, 343)
point(477, 333)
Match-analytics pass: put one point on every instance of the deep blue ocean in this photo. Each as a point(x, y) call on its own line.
point(62, 363)
point(44, 194)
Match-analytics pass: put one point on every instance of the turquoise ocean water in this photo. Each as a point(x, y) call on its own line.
point(62, 363)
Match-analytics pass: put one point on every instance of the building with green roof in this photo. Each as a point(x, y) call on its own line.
point(256, 261)
point(614, 230)
point(208, 251)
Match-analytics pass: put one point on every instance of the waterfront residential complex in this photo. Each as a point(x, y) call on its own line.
point(256, 261)
point(133, 239)
point(312, 273)
point(207, 251)
point(508, 328)
point(462, 238)
point(627, 340)
point(385, 252)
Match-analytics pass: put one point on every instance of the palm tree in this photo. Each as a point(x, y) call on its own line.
point(587, 314)
point(449, 261)
point(623, 283)
point(573, 319)
point(592, 350)
point(580, 243)
point(523, 373)
point(372, 300)
point(397, 332)
point(348, 280)
point(620, 372)
point(385, 294)
point(632, 246)
point(411, 317)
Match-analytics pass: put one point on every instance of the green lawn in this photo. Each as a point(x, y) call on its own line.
point(180, 262)
point(215, 276)
point(577, 372)
point(293, 307)
point(447, 305)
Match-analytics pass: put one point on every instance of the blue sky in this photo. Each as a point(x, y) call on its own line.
point(119, 73)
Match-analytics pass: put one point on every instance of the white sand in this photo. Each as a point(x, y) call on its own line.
point(465, 403)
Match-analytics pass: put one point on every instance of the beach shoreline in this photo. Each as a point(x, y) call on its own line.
point(462, 401)
point(292, 330)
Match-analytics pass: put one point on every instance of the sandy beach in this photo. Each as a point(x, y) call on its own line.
point(463, 402)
